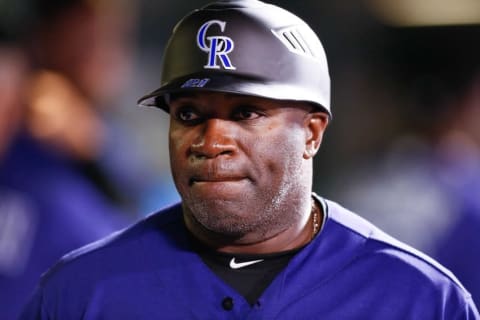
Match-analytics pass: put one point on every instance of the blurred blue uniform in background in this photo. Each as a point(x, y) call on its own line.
point(46, 210)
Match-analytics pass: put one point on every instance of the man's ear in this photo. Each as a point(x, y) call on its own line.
point(315, 125)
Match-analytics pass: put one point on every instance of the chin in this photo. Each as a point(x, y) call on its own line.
point(223, 217)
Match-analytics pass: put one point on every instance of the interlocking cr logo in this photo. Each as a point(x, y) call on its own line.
point(217, 46)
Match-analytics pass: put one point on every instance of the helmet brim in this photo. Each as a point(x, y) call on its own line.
point(225, 83)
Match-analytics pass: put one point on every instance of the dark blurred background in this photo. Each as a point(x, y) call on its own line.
point(402, 149)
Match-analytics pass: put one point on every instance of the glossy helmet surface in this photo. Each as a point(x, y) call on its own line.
point(245, 47)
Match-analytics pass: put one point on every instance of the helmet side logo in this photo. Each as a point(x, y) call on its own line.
point(217, 47)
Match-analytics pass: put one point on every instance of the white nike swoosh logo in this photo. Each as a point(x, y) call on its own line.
point(235, 265)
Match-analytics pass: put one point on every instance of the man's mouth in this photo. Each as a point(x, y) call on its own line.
point(215, 179)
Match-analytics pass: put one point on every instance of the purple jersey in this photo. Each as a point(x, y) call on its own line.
point(351, 270)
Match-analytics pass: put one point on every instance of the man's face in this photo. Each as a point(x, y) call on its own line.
point(239, 162)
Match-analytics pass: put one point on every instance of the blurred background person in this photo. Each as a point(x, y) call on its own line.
point(425, 187)
point(81, 55)
point(55, 74)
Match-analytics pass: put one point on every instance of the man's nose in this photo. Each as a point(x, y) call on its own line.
point(216, 139)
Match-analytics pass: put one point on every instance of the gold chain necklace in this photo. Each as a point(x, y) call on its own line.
point(315, 219)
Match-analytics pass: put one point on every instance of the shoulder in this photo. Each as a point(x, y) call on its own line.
point(117, 264)
point(385, 258)
point(122, 249)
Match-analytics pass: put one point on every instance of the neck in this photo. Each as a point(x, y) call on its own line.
point(294, 236)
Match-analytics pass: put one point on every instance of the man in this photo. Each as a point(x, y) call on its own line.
point(247, 88)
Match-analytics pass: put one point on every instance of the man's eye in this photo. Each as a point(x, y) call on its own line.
point(187, 115)
point(246, 114)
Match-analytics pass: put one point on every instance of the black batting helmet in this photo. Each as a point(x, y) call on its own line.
point(246, 47)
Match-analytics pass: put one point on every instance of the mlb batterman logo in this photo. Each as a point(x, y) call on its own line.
point(217, 47)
